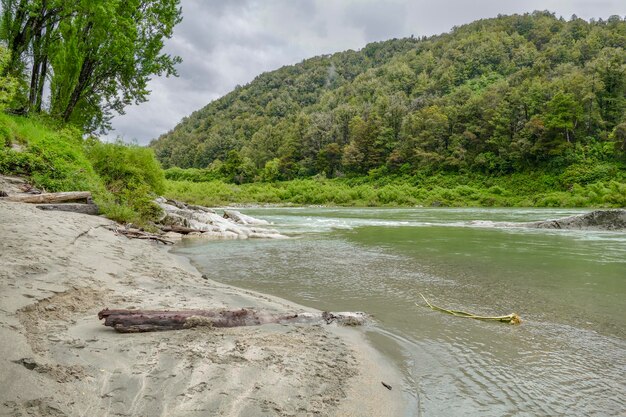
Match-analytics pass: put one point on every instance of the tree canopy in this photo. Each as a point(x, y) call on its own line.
point(494, 96)
point(89, 59)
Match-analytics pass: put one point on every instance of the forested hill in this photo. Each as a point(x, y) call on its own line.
point(495, 96)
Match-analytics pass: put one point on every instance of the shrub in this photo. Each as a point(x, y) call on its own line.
point(53, 159)
point(132, 174)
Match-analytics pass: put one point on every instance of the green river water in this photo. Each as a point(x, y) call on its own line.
point(567, 358)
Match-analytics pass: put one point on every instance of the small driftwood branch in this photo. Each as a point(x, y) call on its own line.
point(135, 321)
point(50, 198)
point(512, 318)
point(139, 234)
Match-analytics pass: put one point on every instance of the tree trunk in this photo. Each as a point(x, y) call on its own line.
point(34, 80)
point(49, 197)
point(83, 79)
point(42, 82)
point(135, 321)
point(86, 70)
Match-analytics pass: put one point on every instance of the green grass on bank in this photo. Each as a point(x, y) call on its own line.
point(123, 178)
point(519, 190)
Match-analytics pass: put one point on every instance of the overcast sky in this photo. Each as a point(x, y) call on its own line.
point(228, 42)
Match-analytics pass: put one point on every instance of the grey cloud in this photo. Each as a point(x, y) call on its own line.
point(378, 19)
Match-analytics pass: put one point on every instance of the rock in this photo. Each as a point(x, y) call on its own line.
point(210, 225)
point(90, 209)
point(11, 185)
point(242, 218)
point(173, 236)
point(176, 203)
point(200, 208)
point(173, 219)
point(596, 220)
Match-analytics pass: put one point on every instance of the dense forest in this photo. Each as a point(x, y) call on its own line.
point(497, 96)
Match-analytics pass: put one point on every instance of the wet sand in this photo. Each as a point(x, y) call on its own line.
point(56, 359)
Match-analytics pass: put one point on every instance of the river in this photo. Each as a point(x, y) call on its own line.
point(567, 358)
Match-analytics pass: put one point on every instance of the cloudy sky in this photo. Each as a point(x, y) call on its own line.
point(228, 42)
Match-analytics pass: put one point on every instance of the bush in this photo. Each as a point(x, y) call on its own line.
point(53, 159)
point(124, 166)
point(132, 175)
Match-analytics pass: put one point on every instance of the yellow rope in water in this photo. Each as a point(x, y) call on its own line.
point(510, 318)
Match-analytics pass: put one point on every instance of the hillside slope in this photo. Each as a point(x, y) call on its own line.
point(496, 96)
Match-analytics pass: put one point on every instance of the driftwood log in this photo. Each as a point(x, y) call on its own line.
point(132, 233)
point(135, 321)
point(50, 198)
point(91, 209)
point(179, 229)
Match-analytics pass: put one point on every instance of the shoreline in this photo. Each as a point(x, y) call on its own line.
point(61, 268)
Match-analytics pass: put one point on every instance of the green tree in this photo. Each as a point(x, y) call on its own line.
point(99, 56)
point(563, 113)
point(8, 84)
point(329, 159)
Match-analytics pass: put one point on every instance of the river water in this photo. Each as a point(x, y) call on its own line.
point(567, 358)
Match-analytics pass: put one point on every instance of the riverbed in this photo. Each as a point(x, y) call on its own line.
point(568, 357)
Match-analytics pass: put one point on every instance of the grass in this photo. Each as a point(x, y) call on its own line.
point(123, 179)
point(528, 190)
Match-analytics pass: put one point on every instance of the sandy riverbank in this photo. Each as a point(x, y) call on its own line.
point(56, 359)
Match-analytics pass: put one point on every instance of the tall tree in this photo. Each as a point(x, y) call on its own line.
point(97, 56)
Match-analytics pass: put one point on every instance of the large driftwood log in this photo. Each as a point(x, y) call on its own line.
point(135, 321)
point(91, 209)
point(50, 198)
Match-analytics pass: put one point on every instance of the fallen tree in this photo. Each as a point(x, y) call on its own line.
point(136, 321)
point(50, 198)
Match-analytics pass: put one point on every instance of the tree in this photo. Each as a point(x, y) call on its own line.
point(8, 84)
point(365, 150)
point(97, 56)
point(563, 113)
point(329, 159)
point(619, 136)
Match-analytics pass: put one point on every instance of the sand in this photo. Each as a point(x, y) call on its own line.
point(59, 269)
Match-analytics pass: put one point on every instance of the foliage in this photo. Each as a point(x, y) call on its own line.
point(8, 84)
point(52, 158)
point(130, 173)
point(124, 179)
point(520, 93)
point(98, 56)
point(604, 186)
